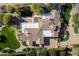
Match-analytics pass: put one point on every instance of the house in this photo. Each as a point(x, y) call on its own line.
point(41, 30)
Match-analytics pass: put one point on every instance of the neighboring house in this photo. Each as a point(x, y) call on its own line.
point(40, 30)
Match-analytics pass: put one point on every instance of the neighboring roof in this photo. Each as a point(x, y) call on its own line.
point(47, 33)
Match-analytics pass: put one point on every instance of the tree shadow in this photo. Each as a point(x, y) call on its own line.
point(2, 39)
point(67, 50)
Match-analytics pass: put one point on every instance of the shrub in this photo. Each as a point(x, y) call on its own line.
point(66, 36)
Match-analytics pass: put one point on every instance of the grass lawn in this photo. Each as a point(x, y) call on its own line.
point(11, 40)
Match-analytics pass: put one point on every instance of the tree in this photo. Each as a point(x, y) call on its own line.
point(30, 52)
point(1, 17)
point(52, 52)
point(0, 48)
point(37, 8)
point(6, 18)
point(2, 39)
point(50, 6)
point(17, 8)
point(11, 51)
point(61, 20)
point(76, 22)
point(26, 51)
point(42, 52)
point(4, 51)
point(10, 9)
point(76, 18)
point(67, 51)
point(25, 11)
point(67, 9)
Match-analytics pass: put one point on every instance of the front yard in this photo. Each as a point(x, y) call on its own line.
point(8, 39)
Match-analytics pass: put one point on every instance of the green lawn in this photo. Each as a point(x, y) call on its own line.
point(11, 40)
